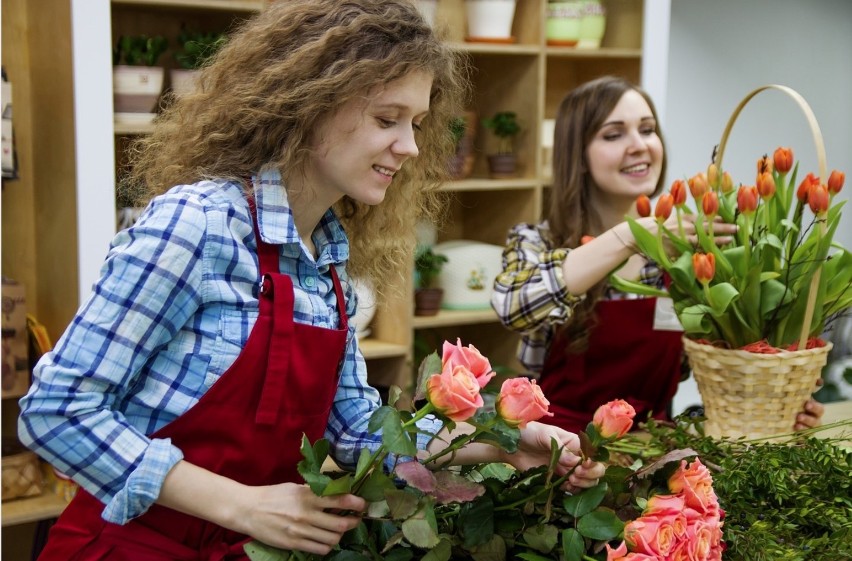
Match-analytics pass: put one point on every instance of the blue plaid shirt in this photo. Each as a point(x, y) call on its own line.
point(171, 312)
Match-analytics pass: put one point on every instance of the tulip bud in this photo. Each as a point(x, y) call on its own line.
point(678, 192)
point(710, 204)
point(727, 183)
point(783, 159)
point(835, 181)
point(764, 165)
point(698, 185)
point(643, 206)
point(804, 186)
point(818, 198)
point(664, 207)
point(766, 185)
point(704, 265)
point(747, 199)
point(586, 239)
point(713, 176)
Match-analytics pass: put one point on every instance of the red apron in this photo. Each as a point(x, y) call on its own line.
point(282, 385)
point(626, 359)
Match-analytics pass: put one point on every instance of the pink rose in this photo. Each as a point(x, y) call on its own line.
point(454, 393)
point(696, 485)
point(650, 535)
point(470, 358)
point(617, 553)
point(614, 419)
point(664, 505)
point(699, 536)
point(521, 401)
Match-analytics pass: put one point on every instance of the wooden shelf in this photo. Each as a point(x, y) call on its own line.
point(374, 348)
point(603, 53)
point(225, 5)
point(43, 507)
point(498, 49)
point(455, 317)
point(484, 184)
point(127, 129)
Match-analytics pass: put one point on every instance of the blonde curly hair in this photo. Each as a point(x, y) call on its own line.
point(277, 78)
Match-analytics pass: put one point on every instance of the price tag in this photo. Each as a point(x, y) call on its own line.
point(665, 318)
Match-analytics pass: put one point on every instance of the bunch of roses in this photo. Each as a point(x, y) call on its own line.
point(685, 525)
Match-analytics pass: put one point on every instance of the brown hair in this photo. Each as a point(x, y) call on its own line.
point(569, 214)
point(277, 77)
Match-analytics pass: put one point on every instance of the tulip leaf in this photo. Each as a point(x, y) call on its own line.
point(585, 502)
point(722, 294)
point(696, 320)
point(600, 524)
point(773, 295)
point(573, 545)
point(645, 241)
point(542, 537)
point(625, 285)
point(683, 275)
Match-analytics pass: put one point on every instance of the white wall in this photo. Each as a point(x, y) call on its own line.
point(721, 50)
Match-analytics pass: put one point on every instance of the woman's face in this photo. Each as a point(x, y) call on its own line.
point(625, 156)
point(359, 149)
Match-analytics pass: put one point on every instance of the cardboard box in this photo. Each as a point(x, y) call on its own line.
point(15, 376)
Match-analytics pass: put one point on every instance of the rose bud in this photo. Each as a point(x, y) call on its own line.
point(747, 199)
point(454, 393)
point(643, 206)
point(818, 199)
point(783, 159)
point(835, 181)
point(704, 265)
point(614, 419)
point(664, 207)
point(586, 239)
point(727, 183)
point(804, 186)
point(713, 176)
point(678, 192)
point(470, 358)
point(710, 204)
point(698, 185)
point(766, 186)
point(521, 401)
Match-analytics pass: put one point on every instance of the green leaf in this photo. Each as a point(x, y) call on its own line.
point(696, 320)
point(403, 504)
point(494, 550)
point(395, 439)
point(431, 365)
point(573, 545)
point(532, 557)
point(634, 287)
point(363, 463)
point(377, 419)
point(645, 241)
point(542, 537)
point(476, 522)
point(258, 551)
point(375, 486)
point(441, 552)
point(421, 529)
point(722, 295)
point(585, 501)
point(600, 524)
point(339, 486)
point(348, 555)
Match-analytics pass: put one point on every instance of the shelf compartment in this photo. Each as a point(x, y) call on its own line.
point(375, 349)
point(45, 506)
point(602, 53)
point(455, 317)
point(485, 184)
point(216, 5)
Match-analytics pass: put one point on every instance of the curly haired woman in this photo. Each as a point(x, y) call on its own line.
point(218, 332)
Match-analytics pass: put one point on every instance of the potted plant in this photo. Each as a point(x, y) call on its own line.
point(490, 21)
point(137, 82)
point(427, 296)
point(504, 125)
point(462, 129)
point(753, 310)
point(195, 48)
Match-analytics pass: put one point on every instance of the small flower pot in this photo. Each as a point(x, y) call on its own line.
point(563, 23)
point(136, 89)
point(427, 301)
point(592, 25)
point(490, 20)
point(501, 166)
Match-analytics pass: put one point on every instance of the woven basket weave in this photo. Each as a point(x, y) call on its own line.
point(21, 476)
point(753, 395)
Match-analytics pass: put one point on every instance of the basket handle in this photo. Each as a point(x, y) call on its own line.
point(823, 177)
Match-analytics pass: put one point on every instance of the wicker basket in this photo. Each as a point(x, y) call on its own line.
point(753, 395)
point(21, 476)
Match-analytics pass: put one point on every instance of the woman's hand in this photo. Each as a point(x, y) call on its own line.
point(723, 232)
point(291, 516)
point(534, 451)
point(810, 416)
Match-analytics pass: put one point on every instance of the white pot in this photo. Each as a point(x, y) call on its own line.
point(136, 89)
point(468, 275)
point(490, 19)
point(182, 80)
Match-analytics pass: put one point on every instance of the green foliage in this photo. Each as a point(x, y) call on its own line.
point(427, 266)
point(197, 47)
point(139, 50)
point(504, 125)
point(457, 129)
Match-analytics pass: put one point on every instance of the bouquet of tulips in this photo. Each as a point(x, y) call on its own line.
point(756, 292)
point(491, 511)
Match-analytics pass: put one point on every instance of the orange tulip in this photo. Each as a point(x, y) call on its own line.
point(698, 185)
point(766, 185)
point(783, 159)
point(704, 265)
point(818, 198)
point(747, 199)
point(713, 176)
point(727, 183)
point(710, 204)
point(804, 186)
point(586, 239)
point(664, 207)
point(764, 165)
point(643, 206)
point(835, 181)
point(678, 192)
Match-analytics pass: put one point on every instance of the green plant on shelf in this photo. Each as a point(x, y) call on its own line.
point(139, 50)
point(427, 266)
point(504, 125)
point(197, 47)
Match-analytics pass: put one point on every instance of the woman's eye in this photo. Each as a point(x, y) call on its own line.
point(385, 123)
point(612, 136)
point(649, 131)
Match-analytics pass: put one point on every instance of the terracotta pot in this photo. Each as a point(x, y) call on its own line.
point(502, 165)
point(427, 301)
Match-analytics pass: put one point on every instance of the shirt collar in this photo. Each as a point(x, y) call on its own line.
point(276, 224)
